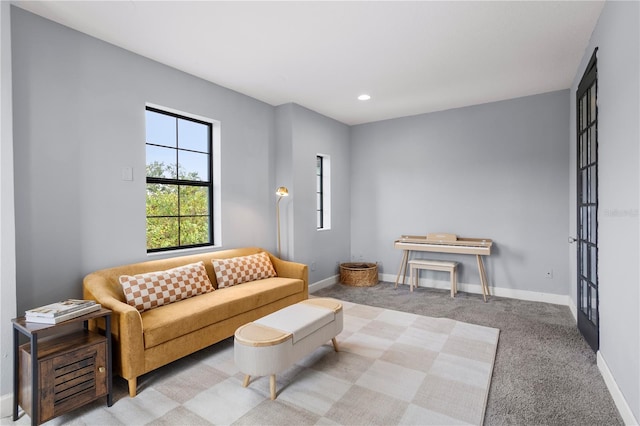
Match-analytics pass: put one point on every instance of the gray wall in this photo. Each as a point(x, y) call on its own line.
point(617, 36)
point(78, 120)
point(302, 134)
point(495, 171)
point(7, 223)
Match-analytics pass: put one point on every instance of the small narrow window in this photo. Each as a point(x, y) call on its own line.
point(319, 193)
point(323, 192)
point(179, 181)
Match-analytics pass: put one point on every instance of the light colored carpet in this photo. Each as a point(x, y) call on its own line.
point(393, 368)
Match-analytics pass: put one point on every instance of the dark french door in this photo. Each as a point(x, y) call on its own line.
point(587, 203)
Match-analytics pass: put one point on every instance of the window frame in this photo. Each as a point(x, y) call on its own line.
point(213, 131)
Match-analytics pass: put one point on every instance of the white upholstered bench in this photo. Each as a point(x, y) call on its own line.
point(275, 342)
point(434, 265)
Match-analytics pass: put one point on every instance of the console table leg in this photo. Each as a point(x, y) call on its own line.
point(403, 266)
point(483, 277)
point(35, 374)
point(107, 333)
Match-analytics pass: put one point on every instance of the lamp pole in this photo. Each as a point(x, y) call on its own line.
point(280, 192)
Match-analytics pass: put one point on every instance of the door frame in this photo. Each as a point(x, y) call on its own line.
point(588, 315)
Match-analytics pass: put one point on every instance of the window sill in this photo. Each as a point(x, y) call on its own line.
point(183, 252)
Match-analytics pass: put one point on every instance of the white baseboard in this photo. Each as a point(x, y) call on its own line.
point(574, 310)
point(327, 282)
point(6, 401)
point(616, 394)
point(533, 296)
point(6, 406)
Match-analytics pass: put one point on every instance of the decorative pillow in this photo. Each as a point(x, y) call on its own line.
point(153, 289)
point(238, 270)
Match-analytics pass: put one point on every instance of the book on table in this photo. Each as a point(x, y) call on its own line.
point(59, 308)
point(61, 311)
point(63, 317)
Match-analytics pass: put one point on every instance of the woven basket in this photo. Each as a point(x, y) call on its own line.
point(359, 274)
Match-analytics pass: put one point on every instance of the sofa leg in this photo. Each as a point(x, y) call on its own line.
point(132, 387)
point(335, 344)
point(246, 380)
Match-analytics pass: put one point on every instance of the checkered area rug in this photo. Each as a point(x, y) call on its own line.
point(393, 368)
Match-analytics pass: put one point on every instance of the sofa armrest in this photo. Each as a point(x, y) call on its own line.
point(126, 325)
point(287, 269)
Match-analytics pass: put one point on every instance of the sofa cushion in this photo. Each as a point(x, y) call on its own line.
point(153, 289)
point(238, 270)
point(177, 319)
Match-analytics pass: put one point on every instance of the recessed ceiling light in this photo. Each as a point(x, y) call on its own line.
point(364, 97)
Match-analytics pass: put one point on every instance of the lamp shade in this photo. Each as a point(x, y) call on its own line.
point(282, 191)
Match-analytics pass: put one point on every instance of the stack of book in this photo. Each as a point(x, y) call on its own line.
point(61, 311)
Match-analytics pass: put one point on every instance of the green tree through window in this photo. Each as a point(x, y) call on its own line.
point(179, 184)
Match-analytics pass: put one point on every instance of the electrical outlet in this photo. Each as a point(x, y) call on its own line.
point(313, 266)
point(548, 274)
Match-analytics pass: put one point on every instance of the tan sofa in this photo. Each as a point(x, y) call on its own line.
point(145, 341)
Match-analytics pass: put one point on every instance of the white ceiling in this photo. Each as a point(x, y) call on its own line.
point(411, 57)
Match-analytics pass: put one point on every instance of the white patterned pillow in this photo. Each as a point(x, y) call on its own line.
point(153, 289)
point(238, 270)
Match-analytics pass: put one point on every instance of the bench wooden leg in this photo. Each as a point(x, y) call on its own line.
point(272, 386)
point(335, 344)
point(454, 273)
point(412, 277)
point(245, 383)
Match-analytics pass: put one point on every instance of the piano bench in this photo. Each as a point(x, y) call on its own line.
point(416, 265)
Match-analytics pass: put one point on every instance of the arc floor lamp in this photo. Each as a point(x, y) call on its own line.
point(280, 192)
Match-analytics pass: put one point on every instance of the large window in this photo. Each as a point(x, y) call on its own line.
point(179, 181)
point(323, 192)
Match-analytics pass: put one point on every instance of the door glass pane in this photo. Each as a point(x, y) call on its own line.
point(592, 103)
point(583, 150)
point(583, 235)
point(584, 292)
point(593, 220)
point(587, 144)
point(582, 113)
point(584, 195)
point(593, 146)
point(584, 265)
point(592, 184)
point(586, 224)
point(594, 305)
point(594, 265)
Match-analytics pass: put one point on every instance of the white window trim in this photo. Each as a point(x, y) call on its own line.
point(217, 181)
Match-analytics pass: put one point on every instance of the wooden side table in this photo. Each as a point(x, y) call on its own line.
point(62, 371)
